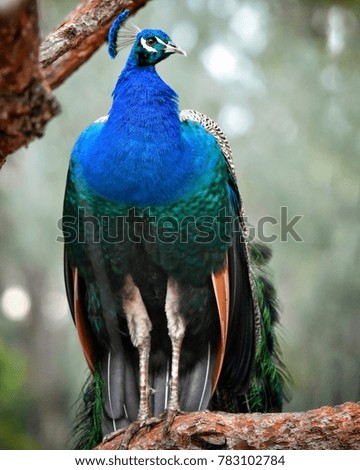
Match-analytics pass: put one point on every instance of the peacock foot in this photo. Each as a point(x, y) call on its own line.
point(168, 418)
point(130, 431)
point(109, 437)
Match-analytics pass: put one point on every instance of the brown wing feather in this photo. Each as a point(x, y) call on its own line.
point(221, 287)
point(81, 326)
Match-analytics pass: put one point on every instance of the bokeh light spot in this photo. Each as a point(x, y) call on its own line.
point(15, 303)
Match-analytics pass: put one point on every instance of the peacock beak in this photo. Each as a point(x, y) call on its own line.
point(172, 48)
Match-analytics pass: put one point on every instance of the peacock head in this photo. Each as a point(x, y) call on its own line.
point(153, 45)
point(150, 46)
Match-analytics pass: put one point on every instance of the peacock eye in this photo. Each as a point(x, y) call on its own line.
point(151, 41)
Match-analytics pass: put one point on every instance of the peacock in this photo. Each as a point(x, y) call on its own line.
point(172, 304)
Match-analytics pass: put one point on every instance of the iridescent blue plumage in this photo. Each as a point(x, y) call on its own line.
point(113, 33)
point(158, 275)
point(144, 107)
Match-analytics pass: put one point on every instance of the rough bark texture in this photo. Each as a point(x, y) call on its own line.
point(325, 428)
point(79, 36)
point(26, 103)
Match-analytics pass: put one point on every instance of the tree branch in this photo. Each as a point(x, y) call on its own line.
point(79, 36)
point(325, 428)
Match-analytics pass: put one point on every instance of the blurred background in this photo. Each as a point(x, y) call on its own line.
point(282, 78)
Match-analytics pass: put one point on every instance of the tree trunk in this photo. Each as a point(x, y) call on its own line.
point(325, 428)
point(26, 103)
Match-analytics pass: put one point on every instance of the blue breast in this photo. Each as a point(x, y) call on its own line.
point(143, 155)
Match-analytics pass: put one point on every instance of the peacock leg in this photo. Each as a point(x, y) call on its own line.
point(176, 327)
point(139, 326)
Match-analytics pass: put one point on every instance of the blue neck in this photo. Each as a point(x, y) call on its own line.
point(144, 107)
point(139, 155)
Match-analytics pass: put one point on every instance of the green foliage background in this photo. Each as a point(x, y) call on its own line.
point(282, 78)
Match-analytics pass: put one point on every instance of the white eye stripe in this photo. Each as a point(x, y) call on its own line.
point(160, 41)
point(146, 46)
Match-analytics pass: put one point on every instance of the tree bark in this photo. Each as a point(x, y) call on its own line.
point(325, 428)
point(26, 103)
point(79, 36)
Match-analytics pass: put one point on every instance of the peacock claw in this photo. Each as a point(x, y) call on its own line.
point(130, 432)
point(133, 428)
point(109, 437)
point(169, 417)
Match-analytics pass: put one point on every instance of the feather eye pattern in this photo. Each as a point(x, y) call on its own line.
point(121, 38)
